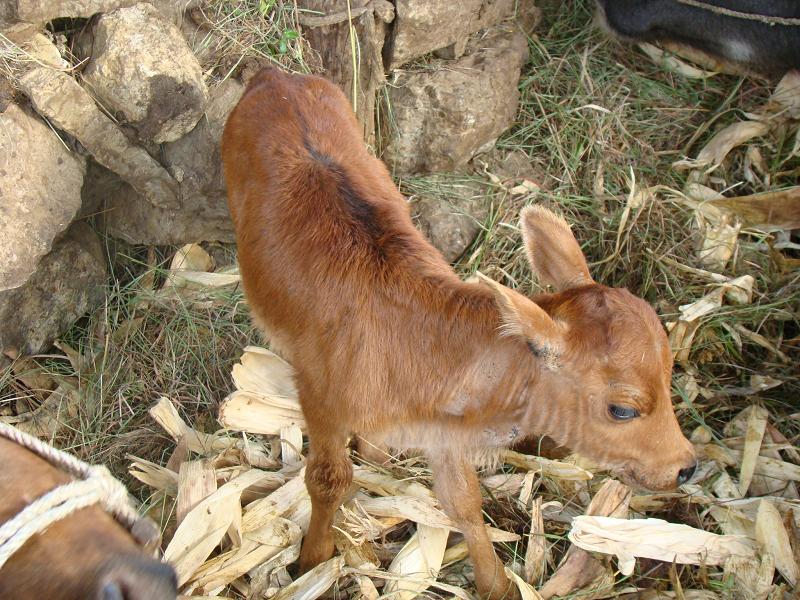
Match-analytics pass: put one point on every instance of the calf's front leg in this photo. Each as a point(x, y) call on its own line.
point(456, 485)
point(329, 473)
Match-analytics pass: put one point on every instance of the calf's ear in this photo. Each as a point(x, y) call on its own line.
point(553, 252)
point(525, 320)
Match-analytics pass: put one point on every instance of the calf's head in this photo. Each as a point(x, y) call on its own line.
point(603, 388)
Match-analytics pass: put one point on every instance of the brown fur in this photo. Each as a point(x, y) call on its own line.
point(75, 558)
point(389, 343)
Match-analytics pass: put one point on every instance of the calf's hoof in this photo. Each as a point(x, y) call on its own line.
point(313, 554)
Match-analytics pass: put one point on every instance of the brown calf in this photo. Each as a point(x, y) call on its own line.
point(388, 342)
point(87, 556)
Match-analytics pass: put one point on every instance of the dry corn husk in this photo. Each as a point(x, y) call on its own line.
point(265, 400)
point(656, 539)
point(536, 553)
point(197, 480)
point(257, 548)
point(548, 468)
point(682, 332)
point(754, 435)
point(407, 507)
point(418, 562)
point(767, 211)
point(386, 485)
point(787, 94)
point(773, 539)
point(719, 244)
point(202, 280)
point(672, 63)
point(421, 511)
point(256, 413)
point(525, 590)
point(272, 573)
point(526, 187)
point(166, 415)
point(190, 277)
point(291, 446)
point(752, 578)
point(580, 569)
point(732, 521)
point(203, 527)
point(766, 466)
point(191, 257)
point(290, 501)
point(720, 145)
point(157, 477)
point(262, 371)
point(314, 583)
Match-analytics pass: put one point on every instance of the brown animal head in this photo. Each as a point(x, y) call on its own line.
point(606, 389)
point(87, 556)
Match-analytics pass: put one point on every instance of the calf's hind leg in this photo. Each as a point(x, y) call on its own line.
point(329, 473)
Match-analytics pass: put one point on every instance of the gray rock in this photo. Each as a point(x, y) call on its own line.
point(40, 193)
point(42, 11)
point(142, 68)
point(422, 26)
point(68, 283)
point(442, 116)
point(7, 16)
point(451, 214)
point(58, 96)
point(7, 93)
point(195, 163)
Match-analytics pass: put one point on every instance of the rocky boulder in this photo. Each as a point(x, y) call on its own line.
point(142, 68)
point(194, 162)
point(68, 283)
point(450, 213)
point(43, 11)
point(443, 115)
point(422, 26)
point(66, 104)
point(7, 14)
point(40, 193)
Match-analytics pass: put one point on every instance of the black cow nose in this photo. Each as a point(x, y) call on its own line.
point(685, 475)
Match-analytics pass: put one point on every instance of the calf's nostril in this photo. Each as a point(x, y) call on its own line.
point(685, 474)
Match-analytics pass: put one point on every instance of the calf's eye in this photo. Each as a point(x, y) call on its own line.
point(622, 413)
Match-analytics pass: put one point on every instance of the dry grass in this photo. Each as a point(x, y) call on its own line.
point(232, 33)
point(596, 121)
point(141, 344)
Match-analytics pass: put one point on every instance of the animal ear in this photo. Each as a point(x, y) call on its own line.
point(553, 252)
point(522, 318)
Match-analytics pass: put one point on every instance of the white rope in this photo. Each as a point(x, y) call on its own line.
point(94, 485)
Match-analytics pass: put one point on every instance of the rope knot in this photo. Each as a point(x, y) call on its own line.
point(110, 492)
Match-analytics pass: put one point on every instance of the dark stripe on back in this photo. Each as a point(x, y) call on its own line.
point(356, 206)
